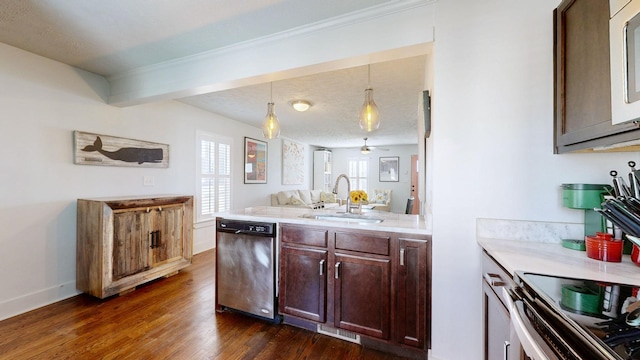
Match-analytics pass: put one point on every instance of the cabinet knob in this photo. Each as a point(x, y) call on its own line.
point(337, 276)
point(321, 267)
point(401, 257)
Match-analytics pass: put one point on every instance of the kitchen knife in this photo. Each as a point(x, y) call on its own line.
point(620, 188)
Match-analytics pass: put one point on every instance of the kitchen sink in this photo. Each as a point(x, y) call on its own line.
point(344, 217)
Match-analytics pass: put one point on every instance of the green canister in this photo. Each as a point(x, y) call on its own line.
point(584, 196)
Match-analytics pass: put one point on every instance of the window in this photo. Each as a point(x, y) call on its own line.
point(358, 173)
point(214, 175)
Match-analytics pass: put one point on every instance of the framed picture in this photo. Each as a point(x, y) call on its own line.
point(388, 167)
point(292, 163)
point(255, 161)
point(99, 149)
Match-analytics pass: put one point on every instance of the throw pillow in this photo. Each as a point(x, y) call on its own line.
point(305, 196)
point(284, 197)
point(315, 196)
point(295, 200)
point(380, 196)
point(327, 197)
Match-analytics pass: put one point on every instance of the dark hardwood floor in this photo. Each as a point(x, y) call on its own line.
point(172, 318)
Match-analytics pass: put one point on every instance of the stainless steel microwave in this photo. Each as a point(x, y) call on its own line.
point(624, 39)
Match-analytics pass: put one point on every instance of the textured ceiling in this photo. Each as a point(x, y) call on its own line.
point(336, 98)
point(112, 37)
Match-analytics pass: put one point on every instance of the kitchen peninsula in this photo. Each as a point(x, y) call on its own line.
point(363, 282)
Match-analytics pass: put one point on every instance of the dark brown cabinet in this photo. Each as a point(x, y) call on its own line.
point(371, 283)
point(303, 269)
point(414, 321)
point(500, 339)
point(582, 87)
point(362, 295)
point(304, 290)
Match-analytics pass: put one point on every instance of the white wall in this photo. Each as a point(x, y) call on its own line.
point(42, 103)
point(400, 190)
point(492, 147)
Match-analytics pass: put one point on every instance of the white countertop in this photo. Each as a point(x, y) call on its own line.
point(553, 259)
point(414, 224)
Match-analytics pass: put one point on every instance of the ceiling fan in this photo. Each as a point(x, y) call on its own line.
point(365, 149)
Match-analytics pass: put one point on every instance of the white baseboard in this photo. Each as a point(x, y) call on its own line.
point(38, 299)
point(204, 239)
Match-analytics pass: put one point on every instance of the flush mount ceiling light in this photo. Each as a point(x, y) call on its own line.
point(271, 125)
point(369, 118)
point(301, 105)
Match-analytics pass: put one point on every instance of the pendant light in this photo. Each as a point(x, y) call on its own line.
point(271, 125)
point(369, 118)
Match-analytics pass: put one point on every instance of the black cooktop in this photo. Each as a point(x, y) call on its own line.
point(599, 310)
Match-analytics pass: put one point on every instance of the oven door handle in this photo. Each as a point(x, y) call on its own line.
point(526, 333)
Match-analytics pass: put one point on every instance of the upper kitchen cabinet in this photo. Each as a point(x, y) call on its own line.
point(582, 85)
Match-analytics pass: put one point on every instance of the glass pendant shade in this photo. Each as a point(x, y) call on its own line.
point(271, 125)
point(369, 117)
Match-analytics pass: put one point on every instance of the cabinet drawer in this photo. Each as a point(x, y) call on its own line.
point(372, 244)
point(303, 236)
point(495, 276)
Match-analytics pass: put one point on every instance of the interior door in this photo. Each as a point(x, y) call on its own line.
point(414, 185)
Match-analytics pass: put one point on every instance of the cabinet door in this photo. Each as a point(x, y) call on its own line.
point(582, 78)
point(303, 284)
point(131, 243)
point(362, 295)
point(168, 240)
point(497, 326)
point(412, 295)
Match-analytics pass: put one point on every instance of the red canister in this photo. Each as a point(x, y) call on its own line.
point(603, 248)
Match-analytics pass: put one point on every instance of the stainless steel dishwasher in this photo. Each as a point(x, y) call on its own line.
point(246, 263)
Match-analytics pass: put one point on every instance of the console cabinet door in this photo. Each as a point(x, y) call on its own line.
point(169, 239)
point(413, 282)
point(362, 287)
point(131, 242)
point(303, 288)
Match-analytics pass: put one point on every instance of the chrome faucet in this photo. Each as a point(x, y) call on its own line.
point(335, 190)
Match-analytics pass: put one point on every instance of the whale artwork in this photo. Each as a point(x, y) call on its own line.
point(128, 154)
point(119, 151)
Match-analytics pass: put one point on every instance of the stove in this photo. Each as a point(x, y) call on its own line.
point(578, 318)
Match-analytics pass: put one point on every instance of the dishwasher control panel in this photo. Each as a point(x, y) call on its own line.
point(246, 227)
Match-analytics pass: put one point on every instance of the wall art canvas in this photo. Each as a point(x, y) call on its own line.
point(95, 149)
point(292, 163)
point(255, 161)
point(389, 168)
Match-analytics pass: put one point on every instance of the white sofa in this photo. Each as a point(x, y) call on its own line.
point(314, 199)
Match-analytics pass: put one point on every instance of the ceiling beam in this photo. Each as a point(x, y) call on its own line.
point(392, 31)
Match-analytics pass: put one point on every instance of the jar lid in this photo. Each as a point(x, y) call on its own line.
point(603, 187)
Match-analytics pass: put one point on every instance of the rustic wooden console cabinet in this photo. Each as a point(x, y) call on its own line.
point(123, 243)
